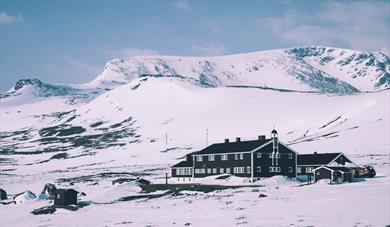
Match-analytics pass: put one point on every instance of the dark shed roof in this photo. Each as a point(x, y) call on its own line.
point(316, 159)
point(183, 164)
point(242, 146)
point(62, 191)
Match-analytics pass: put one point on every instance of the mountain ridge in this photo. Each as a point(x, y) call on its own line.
point(308, 68)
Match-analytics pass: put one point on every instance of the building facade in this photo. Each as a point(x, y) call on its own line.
point(333, 174)
point(251, 159)
point(65, 197)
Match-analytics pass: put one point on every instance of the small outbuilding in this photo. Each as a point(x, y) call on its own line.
point(3, 194)
point(334, 174)
point(64, 197)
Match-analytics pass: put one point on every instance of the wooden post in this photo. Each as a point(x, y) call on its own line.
point(252, 167)
point(166, 178)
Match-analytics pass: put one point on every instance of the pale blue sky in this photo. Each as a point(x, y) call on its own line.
point(70, 41)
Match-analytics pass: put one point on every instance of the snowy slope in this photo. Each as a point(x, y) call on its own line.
point(146, 109)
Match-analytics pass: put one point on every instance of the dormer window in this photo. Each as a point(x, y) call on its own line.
point(211, 157)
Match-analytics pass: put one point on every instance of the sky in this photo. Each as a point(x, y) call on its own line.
point(70, 41)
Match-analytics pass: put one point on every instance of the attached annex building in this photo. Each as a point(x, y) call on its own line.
point(307, 163)
point(252, 159)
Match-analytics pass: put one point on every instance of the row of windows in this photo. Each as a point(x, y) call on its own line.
point(241, 170)
point(307, 169)
point(274, 155)
point(224, 157)
point(183, 171)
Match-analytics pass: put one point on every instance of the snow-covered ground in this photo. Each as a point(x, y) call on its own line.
point(287, 203)
point(143, 114)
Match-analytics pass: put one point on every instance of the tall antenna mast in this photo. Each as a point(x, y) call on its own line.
point(207, 136)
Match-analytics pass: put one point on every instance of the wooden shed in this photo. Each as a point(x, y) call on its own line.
point(334, 174)
point(64, 197)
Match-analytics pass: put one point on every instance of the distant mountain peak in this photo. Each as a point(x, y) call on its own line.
point(25, 82)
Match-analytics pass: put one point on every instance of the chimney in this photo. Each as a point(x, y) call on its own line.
point(238, 139)
point(262, 137)
point(226, 140)
point(315, 152)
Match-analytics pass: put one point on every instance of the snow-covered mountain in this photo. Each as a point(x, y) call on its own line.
point(139, 99)
point(314, 69)
point(319, 69)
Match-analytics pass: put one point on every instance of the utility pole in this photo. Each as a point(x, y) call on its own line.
point(166, 141)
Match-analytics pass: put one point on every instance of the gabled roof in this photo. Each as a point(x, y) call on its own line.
point(233, 147)
point(340, 168)
point(183, 164)
point(316, 159)
point(335, 168)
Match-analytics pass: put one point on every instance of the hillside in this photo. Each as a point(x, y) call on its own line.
point(143, 114)
point(249, 93)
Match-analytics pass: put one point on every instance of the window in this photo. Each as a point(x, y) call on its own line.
point(258, 169)
point(309, 169)
point(239, 170)
point(235, 156)
point(258, 155)
point(227, 170)
point(290, 156)
point(299, 169)
point(248, 169)
point(215, 170)
point(318, 173)
point(58, 196)
point(211, 157)
point(221, 170)
point(200, 171)
point(208, 170)
point(199, 158)
point(270, 155)
point(290, 169)
point(224, 157)
point(274, 169)
point(241, 156)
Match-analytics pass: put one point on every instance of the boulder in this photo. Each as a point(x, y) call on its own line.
point(44, 210)
point(3, 194)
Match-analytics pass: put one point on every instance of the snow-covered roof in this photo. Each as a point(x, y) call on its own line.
point(317, 158)
point(233, 147)
point(183, 164)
